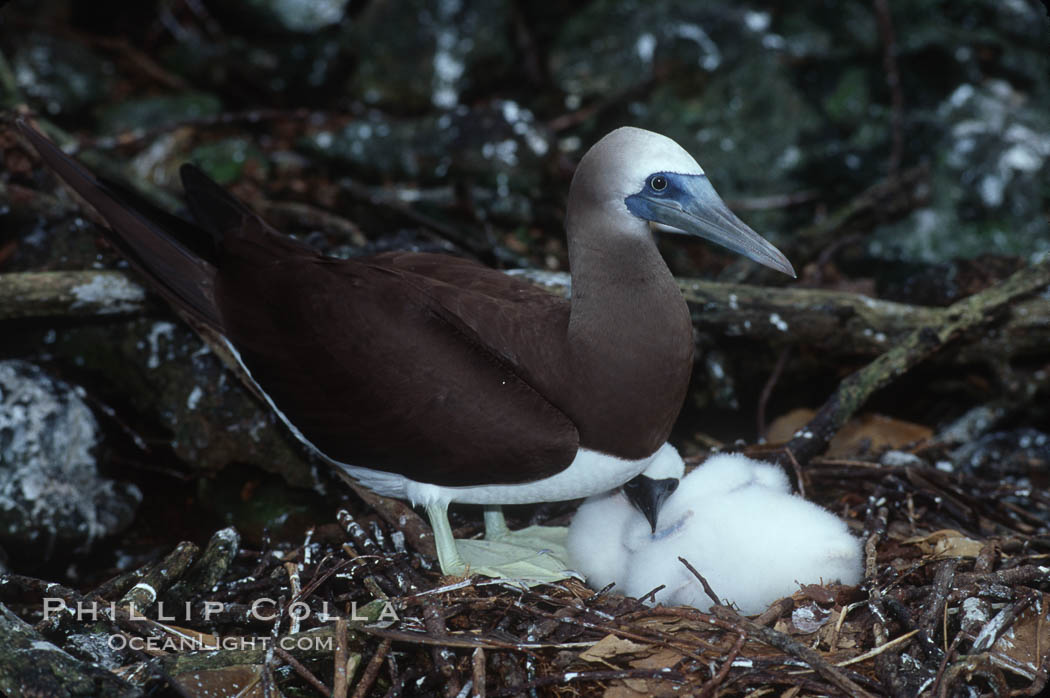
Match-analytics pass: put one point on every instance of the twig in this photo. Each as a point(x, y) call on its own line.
point(479, 245)
point(307, 215)
point(137, 59)
point(1002, 622)
point(795, 649)
point(712, 684)
point(159, 577)
point(800, 474)
point(568, 677)
point(893, 81)
point(400, 516)
point(880, 649)
point(767, 391)
point(339, 680)
point(948, 655)
point(210, 567)
point(703, 582)
point(629, 635)
point(936, 606)
point(295, 588)
point(478, 667)
point(877, 525)
point(307, 675)
point(775, 611)
point(1023, 574)
point(885, 201)
point(372, 670)
point(442, 656)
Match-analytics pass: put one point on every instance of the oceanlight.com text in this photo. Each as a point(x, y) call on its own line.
point(190, 643)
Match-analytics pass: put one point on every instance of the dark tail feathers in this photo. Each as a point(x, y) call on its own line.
point(176, 256)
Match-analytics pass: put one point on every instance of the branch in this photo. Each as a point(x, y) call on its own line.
point(68, 294)
point(834, 322)
point(921, 343)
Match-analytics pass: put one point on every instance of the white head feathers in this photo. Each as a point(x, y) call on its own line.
point(619, 164)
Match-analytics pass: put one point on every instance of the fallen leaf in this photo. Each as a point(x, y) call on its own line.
point(946, 543)
point(1023, 648)
point(661, 657)
point(224, 683)
point(610, 647)
point(863, 435)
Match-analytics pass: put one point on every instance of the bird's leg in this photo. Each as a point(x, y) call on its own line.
point(448, 555)
point(533, 555)
point(495, 524)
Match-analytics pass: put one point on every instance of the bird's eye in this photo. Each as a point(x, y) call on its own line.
point(658, 183)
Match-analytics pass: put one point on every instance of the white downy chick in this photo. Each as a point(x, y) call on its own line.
point(728, 472)
point(598, 530)
point(735, 521)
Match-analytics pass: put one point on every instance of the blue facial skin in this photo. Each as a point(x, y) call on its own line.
point(679, 192)
point(649, 202)
point(690, 204)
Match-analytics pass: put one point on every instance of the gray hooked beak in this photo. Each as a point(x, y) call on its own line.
point(689, 204)
point(648, 495)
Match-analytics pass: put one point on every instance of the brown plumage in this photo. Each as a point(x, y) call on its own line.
point(429, 366)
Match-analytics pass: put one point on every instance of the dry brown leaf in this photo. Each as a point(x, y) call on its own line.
point(1023, 648)
point(864, 434)
point(224, 683)
point(659, 658)
point(611, 647)
point(946, 543)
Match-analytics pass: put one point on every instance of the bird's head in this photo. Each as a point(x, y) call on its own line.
point(646, 180)
point(648, 492)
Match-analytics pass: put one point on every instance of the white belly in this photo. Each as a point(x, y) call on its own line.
point(589, 473)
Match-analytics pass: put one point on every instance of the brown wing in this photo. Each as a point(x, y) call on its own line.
point(522, 323)
point(369, 363)
point(415, 364)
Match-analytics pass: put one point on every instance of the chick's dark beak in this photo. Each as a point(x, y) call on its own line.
point(648, 495)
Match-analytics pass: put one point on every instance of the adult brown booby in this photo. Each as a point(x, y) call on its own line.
point(433, 378)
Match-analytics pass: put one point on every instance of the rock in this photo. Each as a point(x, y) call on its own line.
point(724, 91)
point(417, 54)
point(989, 182)
point(148, 112)
point(174, 384)
point(51, 494)
point(499, 148)
point(1023, 452)
point(297, 15)
point(60, 76)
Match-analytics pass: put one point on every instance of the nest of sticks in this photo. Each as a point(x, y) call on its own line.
point(952, 601)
